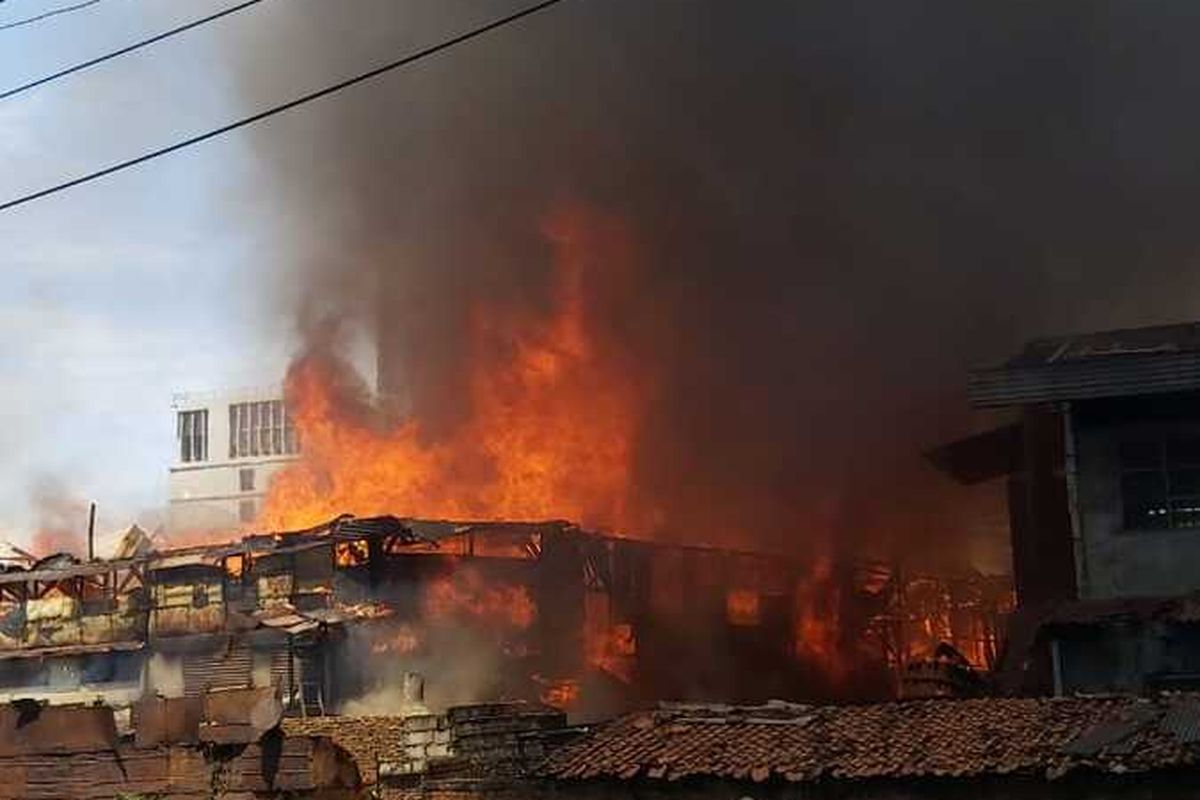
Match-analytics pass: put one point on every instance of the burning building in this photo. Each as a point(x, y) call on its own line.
point(536, 610)
point(334, 616)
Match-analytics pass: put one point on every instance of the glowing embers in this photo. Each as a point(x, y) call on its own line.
point(352, 553)
point(610, 646)
point(817, 631)
point(562, 693)
point(235, 567)
point(742, 607)
point(402, 639)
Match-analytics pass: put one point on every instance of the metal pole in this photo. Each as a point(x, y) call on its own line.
point(92, 533)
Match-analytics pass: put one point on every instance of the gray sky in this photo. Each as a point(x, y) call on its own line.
point(115, 295)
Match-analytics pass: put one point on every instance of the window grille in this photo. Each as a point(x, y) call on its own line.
point(261, 429)
point(192, 432)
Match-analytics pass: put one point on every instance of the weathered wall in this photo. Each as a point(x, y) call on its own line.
point(1117, 562)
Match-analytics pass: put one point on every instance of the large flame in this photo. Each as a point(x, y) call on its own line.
point(551, 432)
point(551, 429)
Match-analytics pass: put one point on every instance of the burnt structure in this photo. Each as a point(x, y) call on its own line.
point(1103, 471)
point(540, 611)
point(319, 614)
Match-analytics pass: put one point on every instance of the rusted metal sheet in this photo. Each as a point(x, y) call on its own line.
point(259, 707)
point(181, 773)
point(161, 720)
point(283, 764)
point(28, 727)
point(211, 733)
point(291, 764)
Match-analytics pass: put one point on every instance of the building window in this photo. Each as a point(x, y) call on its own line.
point(261, 429)
point(192, 430)
point(246, 511)
point(246, 480)
point(1160, 483)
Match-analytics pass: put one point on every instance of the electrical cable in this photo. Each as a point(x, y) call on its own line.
point(54, 12)
point(62, 73)
point(301, 100)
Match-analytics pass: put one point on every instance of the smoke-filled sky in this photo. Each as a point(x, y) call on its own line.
point(843, 206)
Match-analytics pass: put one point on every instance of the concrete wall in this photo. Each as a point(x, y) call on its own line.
point(207, 495)
point(1115, 562)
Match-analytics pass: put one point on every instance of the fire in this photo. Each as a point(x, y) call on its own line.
point(550, 434)
point(609, 645)
point(562, 693)
point(817, 629)
point(742, 607)
point(404, 640)
point(467, 594)
point(352, 553)
point(615, 653)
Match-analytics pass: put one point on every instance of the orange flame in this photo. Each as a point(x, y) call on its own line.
point(351, 553)
point(465, 594)
point(817, 629)
point(550, 434)
point(742, 607)
point(562, 693)
point(402, 641)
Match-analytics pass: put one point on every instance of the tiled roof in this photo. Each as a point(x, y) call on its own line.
point(937, 738)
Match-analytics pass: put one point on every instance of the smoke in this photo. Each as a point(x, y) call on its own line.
point(459, 664)
point(61, 519)
point(840, 208)
point(164, 676)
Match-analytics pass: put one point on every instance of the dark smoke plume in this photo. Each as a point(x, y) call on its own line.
point(844, 205)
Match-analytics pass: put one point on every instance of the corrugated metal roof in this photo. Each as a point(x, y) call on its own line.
point(1153, 340)
point(71, 650)
point(1183, 722)
point(1085, 379)
point(75, 571)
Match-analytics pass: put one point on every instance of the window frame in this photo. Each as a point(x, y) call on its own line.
point(261, 428)
point(191, 433)
point(1180, 507)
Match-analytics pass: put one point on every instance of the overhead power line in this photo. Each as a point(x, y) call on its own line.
point(135, 46)
point(54, 12)
point(306, 98)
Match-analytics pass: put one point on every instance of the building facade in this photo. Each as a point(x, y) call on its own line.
point(228, 445)
point(1103, 471)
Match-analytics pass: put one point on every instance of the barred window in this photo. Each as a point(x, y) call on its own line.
point(192, 431)
point(1160, 483)
point(261, 429)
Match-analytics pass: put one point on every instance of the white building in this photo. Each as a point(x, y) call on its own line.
point(227, 447)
